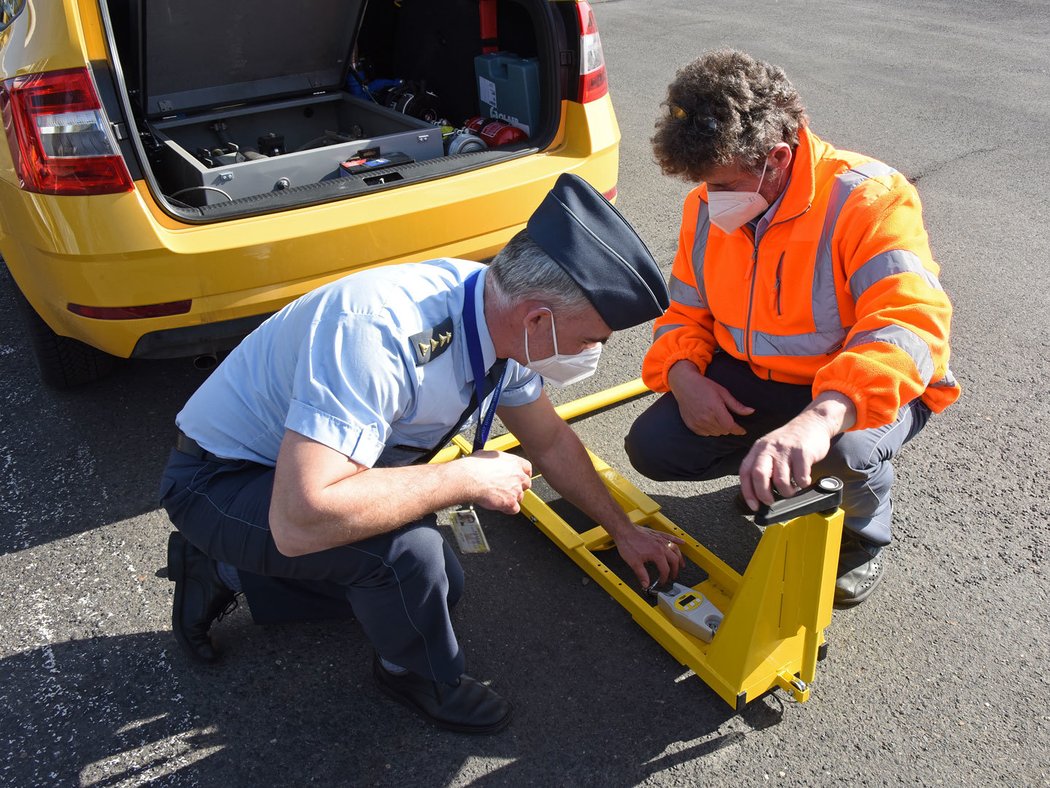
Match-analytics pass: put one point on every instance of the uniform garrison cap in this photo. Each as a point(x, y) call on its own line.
point(595, 245)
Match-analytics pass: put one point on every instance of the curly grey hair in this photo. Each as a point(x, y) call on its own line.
point(725, 108)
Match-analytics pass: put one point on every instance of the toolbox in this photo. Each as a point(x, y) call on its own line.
point(509, 89)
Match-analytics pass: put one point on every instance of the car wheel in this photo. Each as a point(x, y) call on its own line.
point(63, 362)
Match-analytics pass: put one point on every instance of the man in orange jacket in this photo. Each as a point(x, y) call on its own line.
point(807, 333)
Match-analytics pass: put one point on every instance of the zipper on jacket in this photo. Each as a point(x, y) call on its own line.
point(750, 302)
point(776, 283)
point(754, 275)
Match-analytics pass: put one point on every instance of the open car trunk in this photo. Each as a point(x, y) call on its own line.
point(249, 106)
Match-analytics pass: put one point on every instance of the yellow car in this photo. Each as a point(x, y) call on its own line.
point(177, 170)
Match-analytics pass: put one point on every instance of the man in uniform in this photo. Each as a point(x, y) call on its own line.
point(300, 477)
point(807, 333)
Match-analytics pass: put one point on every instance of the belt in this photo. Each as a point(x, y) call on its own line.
point(187, 445)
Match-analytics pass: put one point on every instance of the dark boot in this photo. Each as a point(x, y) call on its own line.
point(859, 573)
point(200, 598)
point(468, 706)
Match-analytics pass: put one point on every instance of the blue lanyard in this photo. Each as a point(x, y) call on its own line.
point(477, 365)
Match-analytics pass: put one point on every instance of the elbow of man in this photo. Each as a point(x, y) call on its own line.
point(290, 535)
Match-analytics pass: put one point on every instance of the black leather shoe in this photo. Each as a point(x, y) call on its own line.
point(467, 707)
point(200, 598)
point(860, 571)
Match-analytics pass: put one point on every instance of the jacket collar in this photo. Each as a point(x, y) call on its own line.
point(801, 188)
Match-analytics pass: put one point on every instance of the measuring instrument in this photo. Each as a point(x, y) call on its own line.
point(689, 610)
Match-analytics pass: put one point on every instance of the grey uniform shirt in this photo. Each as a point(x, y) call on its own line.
point(374, 365)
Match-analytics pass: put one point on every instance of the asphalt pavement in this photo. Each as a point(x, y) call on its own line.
point(940, 679)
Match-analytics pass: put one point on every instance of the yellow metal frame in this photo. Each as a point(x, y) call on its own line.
point(775, 613)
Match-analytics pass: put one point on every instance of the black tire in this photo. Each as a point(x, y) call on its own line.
point(63, 362)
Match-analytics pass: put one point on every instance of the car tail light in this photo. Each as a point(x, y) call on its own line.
point(593, 80)
point(59, 137)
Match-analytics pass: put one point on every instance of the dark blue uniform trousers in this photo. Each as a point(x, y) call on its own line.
point(661, 447)
point(400, 586)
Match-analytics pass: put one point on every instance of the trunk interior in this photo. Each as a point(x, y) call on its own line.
point(249, 106)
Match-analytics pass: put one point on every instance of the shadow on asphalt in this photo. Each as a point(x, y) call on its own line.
point(92, 456)
point(79, 459)
point(295, 706)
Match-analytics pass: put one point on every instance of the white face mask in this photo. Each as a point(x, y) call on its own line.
point(563, 370)
point(731, 210)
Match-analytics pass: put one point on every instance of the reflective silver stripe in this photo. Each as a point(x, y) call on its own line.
point(897, 261)
point(815, 344)
point(906, 340)
point(871, 169)
point(826, 317)
point(703, 225)
point(763, 344)
point(825, 343)
point(737, 334)
point(948, 381)
point(685, 294)
point(659, 332)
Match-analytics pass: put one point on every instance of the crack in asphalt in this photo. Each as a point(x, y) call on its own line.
point(954, 160)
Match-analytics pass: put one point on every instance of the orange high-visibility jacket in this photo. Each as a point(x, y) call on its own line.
point(840, 291)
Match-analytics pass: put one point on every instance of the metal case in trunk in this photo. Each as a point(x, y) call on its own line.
point(315, 134)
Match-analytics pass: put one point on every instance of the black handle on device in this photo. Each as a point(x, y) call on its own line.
point(824, 495)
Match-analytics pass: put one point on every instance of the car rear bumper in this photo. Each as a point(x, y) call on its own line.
point(198, 340)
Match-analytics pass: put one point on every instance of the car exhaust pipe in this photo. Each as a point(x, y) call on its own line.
point(205, 361)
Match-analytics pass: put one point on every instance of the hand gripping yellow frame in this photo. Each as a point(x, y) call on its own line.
point(772, 634)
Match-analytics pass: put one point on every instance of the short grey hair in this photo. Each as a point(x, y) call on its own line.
point(523, 271)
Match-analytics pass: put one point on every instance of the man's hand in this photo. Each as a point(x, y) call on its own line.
point(566, 466)
point(783, 460)
point(500, 480)
point(707, 407)
point(639, 546)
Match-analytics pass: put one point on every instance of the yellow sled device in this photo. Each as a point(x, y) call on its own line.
point(744, 635)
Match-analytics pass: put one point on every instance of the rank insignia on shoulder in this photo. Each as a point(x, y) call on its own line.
point(429, 344)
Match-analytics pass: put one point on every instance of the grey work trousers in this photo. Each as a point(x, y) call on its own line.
point(660, 446)
point(400, 585)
